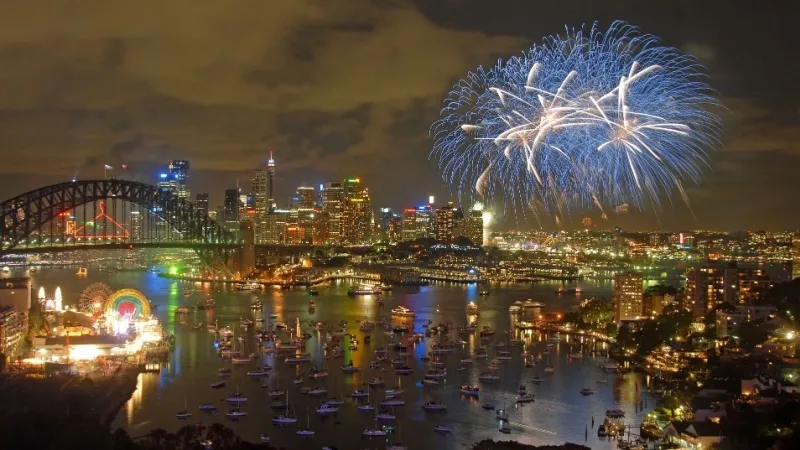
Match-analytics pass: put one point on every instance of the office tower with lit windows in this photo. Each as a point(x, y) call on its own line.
point(304, 204)
point(259, 190)
point(473, 225)
point(795, 255)
point(321, 222)
point(136, 225)
point(356, 220)
point(628, 296)
point(179, 171)
point(276, 226)
point(332, 204)
point(231, 210)
point(425, 222)
point(409, 224)
point(201, 202)
point(445, 218)
point(389, 226)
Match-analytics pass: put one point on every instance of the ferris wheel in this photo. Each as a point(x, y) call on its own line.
point(94, 297)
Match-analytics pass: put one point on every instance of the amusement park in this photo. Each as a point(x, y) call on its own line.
point(107, 328)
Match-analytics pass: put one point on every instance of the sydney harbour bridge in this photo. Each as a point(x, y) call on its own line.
point(118, 214)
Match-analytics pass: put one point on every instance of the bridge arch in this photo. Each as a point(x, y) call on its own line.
point(26, 214)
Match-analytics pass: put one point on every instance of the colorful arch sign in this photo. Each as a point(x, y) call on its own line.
point(128, 303)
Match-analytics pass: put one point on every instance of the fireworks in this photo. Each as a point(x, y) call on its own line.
point(592, 119)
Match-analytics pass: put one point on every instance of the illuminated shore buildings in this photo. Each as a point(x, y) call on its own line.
point(124, 328)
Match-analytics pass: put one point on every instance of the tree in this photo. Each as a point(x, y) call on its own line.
point(750, 335)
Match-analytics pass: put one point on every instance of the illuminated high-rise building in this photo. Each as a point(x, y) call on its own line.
point(356, 220)
point(276, 226)
point(305, 212)
point(445, 222)
point(259, 189)
point(425, 222)
point(201, 202)
point(179, 171)
point(409, 225)
point(795, 255)
point(710, 285)
point(231, 210)
point(136, 225)
point(332, 204)
point(628, 296)
point(271, 172)
point(473, 225)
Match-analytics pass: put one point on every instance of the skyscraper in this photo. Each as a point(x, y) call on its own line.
point(305, 213)
point(425, 222)
point(409, 228)
point(260, 190)
point(445, 216)
point(179, 171)
point(271, 172)
point(332, 203)
point(356, 218)
point(473, 225)
point(628, 295)
point(231, 210)
point(201, 202)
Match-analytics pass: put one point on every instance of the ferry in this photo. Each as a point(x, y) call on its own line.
point(82, 272)
point(248, 286)
point(401, 311)
point(532, 304)
point(472, 308)
point(364, 290)
point(470, 390)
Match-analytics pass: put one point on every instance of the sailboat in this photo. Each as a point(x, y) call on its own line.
point(185, 414)
point(238, 359)
point(374, 432)
point(306, 432)
point(397, 445)
point(366, 407)
point(285, 419)
point(277, 392)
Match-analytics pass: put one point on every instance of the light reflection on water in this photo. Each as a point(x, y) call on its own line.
point(559, 413)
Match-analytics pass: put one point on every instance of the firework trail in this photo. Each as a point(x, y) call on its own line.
point(589, 119)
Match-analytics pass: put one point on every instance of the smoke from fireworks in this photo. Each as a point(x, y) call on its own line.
point(590, 119)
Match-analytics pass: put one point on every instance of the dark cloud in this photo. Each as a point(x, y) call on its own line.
point(349, 87)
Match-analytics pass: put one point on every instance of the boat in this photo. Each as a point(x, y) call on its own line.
point(576, 356)
point(350, 368)
point(434, 406)
point(549, 369)
point(376, 381)
point(373, 432)
point(470, 390)
point(392, 403)
point(334, 402)
point(401, 311)
point(601, 431)
point(218, 384)
point(326, 409)
point(427, 380)
point(185, 414)
point(525, 398)
point(503, 356)
point(285, 419)
point(487, 331)
point(487, 406)
point(483, 292)
point(208, 407)
point(257, 373)
point(442, 429)
point(82, 272)
point(488, 376)
point(298, 380)
point(505, 429)
point(359, 393)
point(240, 360)
point(236, 399)
point(403, 370)
point(306, 432)
point(264, 438)
point(472, 309)
point(515, 309)
point(312, 306)
point(385, 416)
point(315, 374)
point(502, 414)
point(366, 407)
point(601, 381)
point(318, 391)
point(366, 326)
point(587, 392)
point(298, 359)
point(248, 286)
point(363, 289)
point(312, 291)
point(537, 379)
point(235, 414)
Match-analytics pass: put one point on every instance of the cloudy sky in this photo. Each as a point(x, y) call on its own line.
point(342, 88)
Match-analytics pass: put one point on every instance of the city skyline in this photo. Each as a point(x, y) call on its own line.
point(91, 102)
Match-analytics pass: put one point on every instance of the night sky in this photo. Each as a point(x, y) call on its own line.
point(342, 88)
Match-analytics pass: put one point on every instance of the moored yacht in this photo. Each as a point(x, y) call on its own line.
point(402, 311)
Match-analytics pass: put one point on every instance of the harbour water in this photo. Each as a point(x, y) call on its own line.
point(559, 414)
